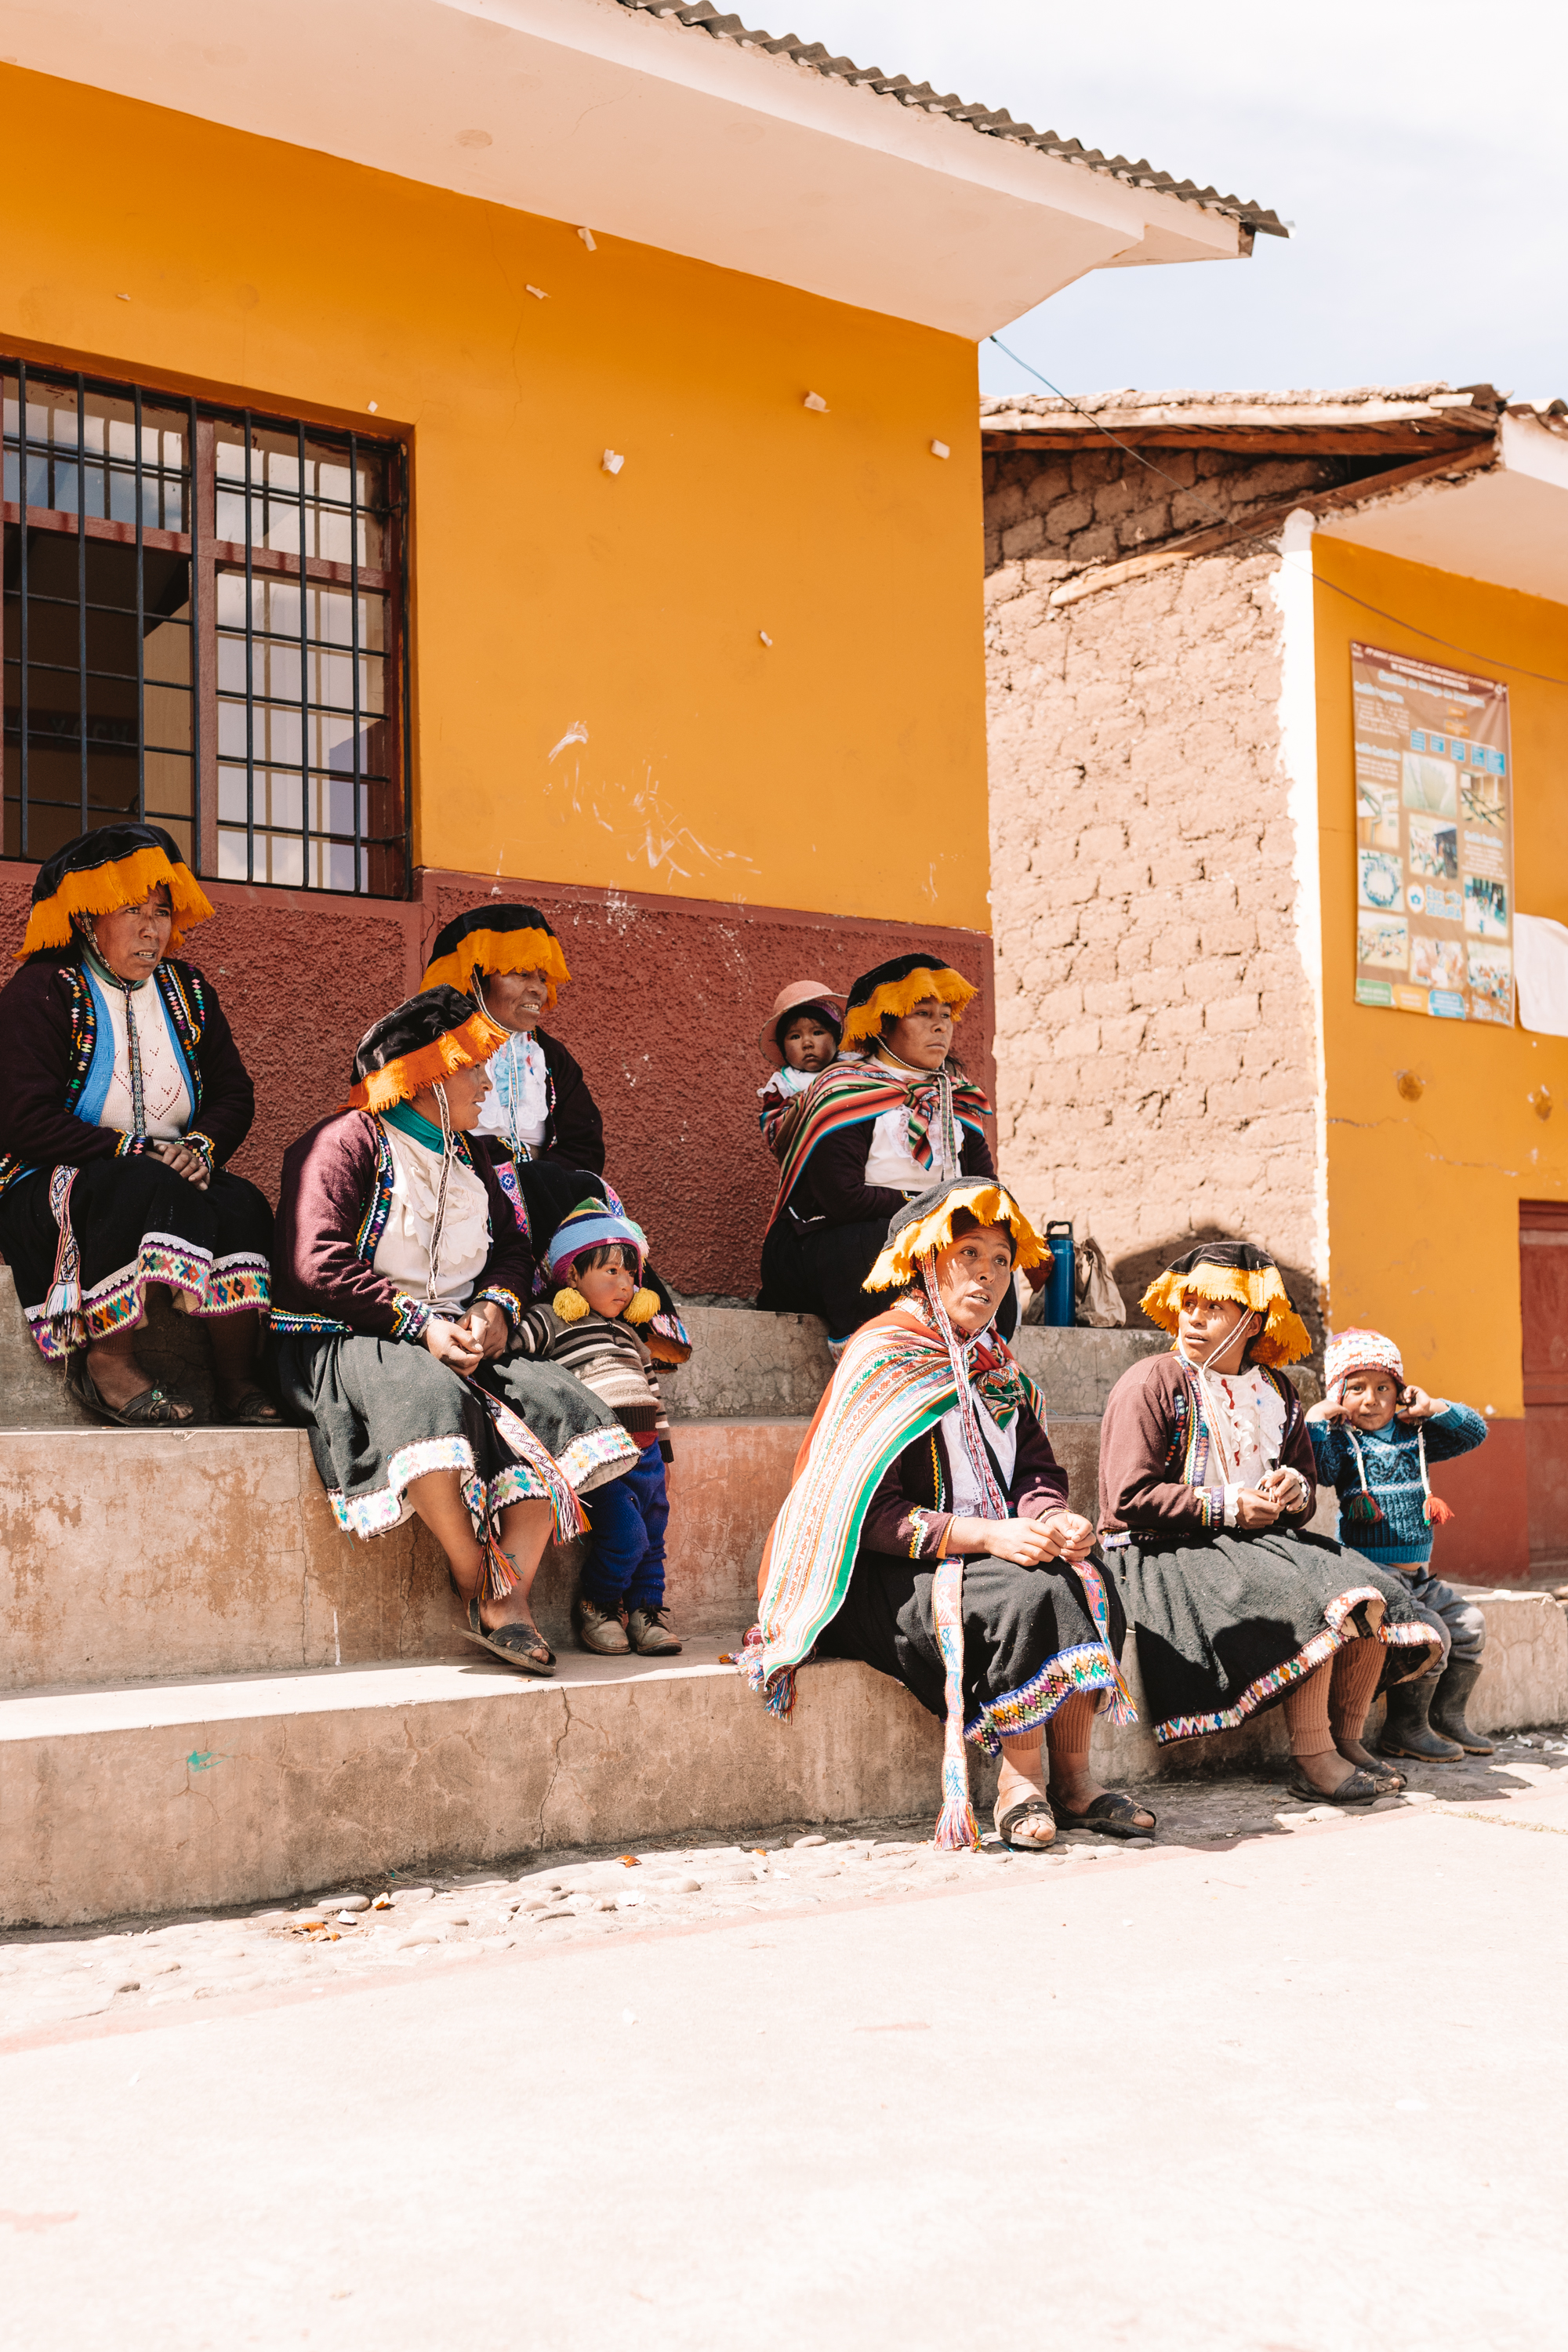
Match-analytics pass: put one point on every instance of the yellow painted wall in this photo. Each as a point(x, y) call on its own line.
point(842, 770)
point(1424, 1196)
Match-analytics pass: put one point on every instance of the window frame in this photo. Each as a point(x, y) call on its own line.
point(209, 557)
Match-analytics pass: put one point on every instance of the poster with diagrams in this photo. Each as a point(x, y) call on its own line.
point(1434, 791)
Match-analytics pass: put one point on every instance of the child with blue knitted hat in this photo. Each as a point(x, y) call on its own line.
point(591, 1328)
point(1373, 1436)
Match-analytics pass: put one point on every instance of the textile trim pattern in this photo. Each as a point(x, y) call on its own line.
point(894, 998)
point(1089, 1667)
point(596, 1457)
point(376, 1514)
point(462, 1049)
point(852, 1094)
point(410, 1318)
point(287, 1319)
point(119, 882)
point(1284, 1336)
point(988, 1203)
point(205, 1287)
point(1280, 1678)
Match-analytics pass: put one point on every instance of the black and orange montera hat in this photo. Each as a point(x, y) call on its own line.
point(113, 866)
point(496, 938)
point(420, 1044)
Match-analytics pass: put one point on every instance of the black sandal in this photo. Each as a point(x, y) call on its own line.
point(253, 1408)
point(517, 1644)
point(1359, 1790)
point(1030, 1809)
point(1112, 1814)
point(153, 1408)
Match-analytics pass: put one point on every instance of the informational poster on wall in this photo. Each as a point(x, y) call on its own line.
point(1434, 794)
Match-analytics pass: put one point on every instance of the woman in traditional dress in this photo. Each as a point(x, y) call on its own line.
point(890, 1118)
point(511, 961)
point(1206, 1484)
point(927, 1533)
point(123, 1096)
point(400, 1273)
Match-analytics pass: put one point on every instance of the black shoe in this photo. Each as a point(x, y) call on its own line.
point(1455, 1685)
point(1406, 1731)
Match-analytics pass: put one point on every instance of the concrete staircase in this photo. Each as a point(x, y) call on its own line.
point(211, 1696)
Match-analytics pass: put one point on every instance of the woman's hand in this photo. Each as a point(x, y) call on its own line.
point(1027, 1543)
point(486, 1326)
point(451, 1343)
point(1254, 1508)
point(1285, 1486)
point(184, 1163)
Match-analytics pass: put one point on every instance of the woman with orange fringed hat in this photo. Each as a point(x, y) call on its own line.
point(124, 1097)
point(401, 1280)
point(1206, 1486)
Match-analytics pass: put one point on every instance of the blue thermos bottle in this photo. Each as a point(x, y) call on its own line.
point(1062, 1291)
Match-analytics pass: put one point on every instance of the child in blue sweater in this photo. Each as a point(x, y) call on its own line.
point(1373, 1437)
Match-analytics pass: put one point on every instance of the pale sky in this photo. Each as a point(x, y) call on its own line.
point(1419, 148)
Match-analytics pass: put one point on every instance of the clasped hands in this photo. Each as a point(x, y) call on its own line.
point(184, 1163)
point(1260, 1506)
point(1027, 1543)
point(464, 1345)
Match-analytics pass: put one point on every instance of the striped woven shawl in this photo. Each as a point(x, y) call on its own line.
point(848, 1093)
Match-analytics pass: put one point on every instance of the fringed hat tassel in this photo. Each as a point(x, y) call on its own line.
point(644, 1307)
point(1434, 1510)
point(1364, 1507)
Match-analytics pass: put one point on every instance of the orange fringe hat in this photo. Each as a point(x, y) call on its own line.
point(890, 989)
point(927, 1224)
point(113, 866)
point(1232, 1270)
point(418, 1044)
point(496, 938)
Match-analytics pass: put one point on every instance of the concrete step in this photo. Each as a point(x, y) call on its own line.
point(180, 1794)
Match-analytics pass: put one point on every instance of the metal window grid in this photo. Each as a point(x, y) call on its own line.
point(321, 517)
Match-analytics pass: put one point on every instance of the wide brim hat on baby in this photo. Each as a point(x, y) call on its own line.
point(494, 939)
point(113, 866)
point(417, 1045)
point(888, 991)
point(799, 996)
point(1355, 1350)
point(1232, 1270)
point(594, 1225)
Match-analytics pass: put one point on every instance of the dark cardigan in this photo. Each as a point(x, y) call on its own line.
point(49, 1026)
point(1146, 1442)
point(575, 1133)
point(910, 1512)
point(332, 1208)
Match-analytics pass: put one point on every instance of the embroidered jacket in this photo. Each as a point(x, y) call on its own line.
point(1158, 1470)
point(332, 1207)
point(50, 1026)
point(910, 1512)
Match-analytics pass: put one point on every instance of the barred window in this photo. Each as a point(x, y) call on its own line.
point(203, 629)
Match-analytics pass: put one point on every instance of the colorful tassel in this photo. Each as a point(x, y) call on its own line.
point(497, 1578)
point(570, 1306)
point(1434, 1510)
point(1365, 1507)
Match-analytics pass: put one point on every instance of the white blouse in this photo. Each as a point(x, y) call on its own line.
point(889, 1163)
point(967, 1500)
point(517, 1107)
point(165, 1089)
point(1251, 1415)
point(403, 1253)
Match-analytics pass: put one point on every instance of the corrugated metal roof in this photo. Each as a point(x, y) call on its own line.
point(993, 122)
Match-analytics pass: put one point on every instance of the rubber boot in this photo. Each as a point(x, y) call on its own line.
point(1454, 1688)
point(1406, 1731)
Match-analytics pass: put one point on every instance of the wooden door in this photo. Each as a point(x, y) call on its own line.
point(1543, 1293)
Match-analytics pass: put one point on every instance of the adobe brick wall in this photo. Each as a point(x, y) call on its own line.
point(1155, 1059)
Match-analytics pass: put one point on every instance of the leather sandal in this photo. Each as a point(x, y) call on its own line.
point(1112, 1814)
point(252, 1409)
point(152, 1408)
point(517, 1644)
point(1359, 1790)
point(1027, 1809)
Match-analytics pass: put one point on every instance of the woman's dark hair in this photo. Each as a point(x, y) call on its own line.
point(607, 1254)
point(964, 1221)
point(823, 1014)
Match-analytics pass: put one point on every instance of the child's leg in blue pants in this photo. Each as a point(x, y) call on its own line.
point(624, 1567)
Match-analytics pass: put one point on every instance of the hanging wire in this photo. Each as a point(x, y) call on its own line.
point(1472, 652)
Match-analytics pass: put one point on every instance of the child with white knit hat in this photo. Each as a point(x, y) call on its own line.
point(1373, 1436)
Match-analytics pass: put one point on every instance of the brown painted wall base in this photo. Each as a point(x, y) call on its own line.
point(665, 1000)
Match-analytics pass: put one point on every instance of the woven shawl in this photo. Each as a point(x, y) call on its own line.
point(845, 1095)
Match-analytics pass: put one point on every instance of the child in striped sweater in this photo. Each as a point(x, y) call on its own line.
point(597, 1256)
point(1373, 1437)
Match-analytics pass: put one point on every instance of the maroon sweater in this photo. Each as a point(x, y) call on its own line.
point(1147, 1448)
point(332, 1211)
point(910, 1513)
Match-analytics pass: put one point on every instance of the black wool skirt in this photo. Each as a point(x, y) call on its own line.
point(1227, 1625)
point(787, 1288)
point(381, 1412)
point(85, 1243)
point(1029, 1639)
